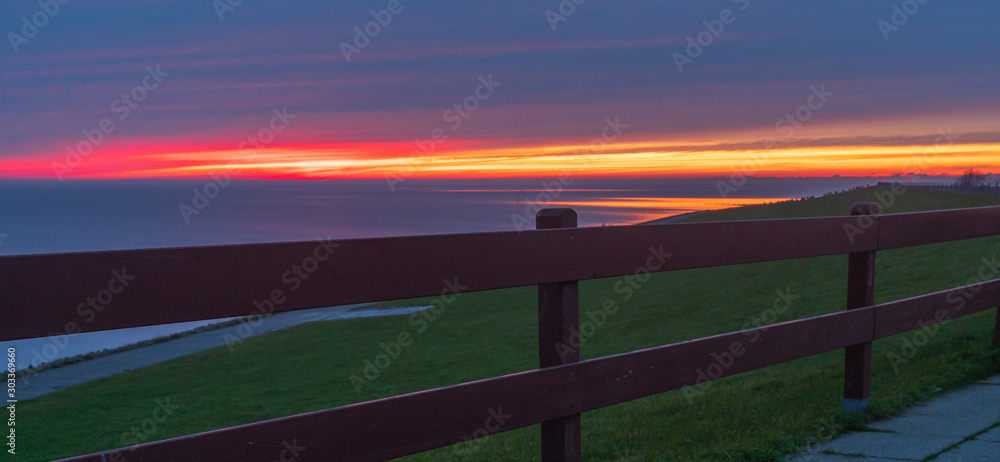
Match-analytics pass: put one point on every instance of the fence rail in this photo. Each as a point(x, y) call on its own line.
point(44, 292)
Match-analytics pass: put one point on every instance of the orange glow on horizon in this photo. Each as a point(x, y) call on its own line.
point(400, 160)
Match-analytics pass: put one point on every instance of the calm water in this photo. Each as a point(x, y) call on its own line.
point(48, 217)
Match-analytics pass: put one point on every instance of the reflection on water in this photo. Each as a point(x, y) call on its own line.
point(631, 210)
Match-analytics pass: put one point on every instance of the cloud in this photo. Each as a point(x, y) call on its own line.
point(606, 59)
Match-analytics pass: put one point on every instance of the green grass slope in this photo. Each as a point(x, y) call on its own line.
point(757, 416)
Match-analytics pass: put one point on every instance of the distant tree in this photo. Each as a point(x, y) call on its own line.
point(971, 178)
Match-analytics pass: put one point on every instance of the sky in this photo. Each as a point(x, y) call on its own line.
point(459, 89)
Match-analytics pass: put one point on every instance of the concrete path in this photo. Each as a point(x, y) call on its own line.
point(958, 426)
point(56, 379)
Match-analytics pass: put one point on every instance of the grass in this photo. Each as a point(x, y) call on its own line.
point(757, 416)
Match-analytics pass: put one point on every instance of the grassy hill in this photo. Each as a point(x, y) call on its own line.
point(756, 416)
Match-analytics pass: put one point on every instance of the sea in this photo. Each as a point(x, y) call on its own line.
point(49, 216)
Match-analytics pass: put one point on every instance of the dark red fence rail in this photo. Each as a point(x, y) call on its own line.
point(44, 292)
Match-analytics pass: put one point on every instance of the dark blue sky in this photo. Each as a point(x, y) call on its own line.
point(939, 68)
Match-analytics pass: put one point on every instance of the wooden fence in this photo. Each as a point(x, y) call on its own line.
point(43, 292)
point(984, 188)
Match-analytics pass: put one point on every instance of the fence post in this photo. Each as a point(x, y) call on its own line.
point(558, 317)
point(860, 293)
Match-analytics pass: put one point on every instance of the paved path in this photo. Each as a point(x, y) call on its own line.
point(958, 426)
point(104, 366)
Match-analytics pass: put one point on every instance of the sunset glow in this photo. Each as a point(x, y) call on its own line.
point(599, 96)
point(627, 159)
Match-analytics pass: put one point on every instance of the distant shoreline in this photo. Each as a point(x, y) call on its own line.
point(673, 218)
